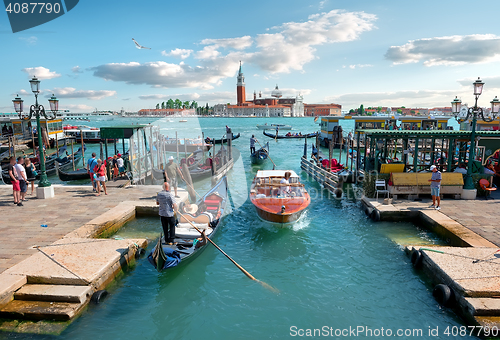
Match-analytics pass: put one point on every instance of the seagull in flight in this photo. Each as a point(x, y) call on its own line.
point(139, 46)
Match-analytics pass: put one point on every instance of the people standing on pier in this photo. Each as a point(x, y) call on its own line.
point(228, 129)
point(171, 170)
point(115, 168)
point(252, 144)
point(167, 212)
point(16, 191)
point(120, 164)
point(21, 176)
point(91, 164)
point(435, 187)
point(100, 177)
point(30, 173)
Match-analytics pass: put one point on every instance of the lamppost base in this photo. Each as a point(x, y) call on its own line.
point(469, 194)
point(45, 192)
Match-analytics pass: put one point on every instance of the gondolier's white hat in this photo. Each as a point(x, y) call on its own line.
point(171, 158)
point(433, 167)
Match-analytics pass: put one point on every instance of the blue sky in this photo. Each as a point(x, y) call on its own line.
point(387, 53)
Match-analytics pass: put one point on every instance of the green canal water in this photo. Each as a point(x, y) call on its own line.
point(334, 268)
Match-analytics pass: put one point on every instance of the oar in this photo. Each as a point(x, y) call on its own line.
point(267, 153)
point(250, 276)
point(193, 189)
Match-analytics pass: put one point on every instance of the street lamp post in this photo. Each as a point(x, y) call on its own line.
point(474, 113)
point(38, 110)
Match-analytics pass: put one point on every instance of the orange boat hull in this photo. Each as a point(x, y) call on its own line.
point(270, 209)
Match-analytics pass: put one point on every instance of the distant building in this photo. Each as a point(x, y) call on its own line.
point(276, 106)
point(322, 109)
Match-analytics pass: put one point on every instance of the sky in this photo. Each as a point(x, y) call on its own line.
point(375, 53)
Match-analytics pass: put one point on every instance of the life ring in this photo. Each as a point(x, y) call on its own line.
point(191, 161)
point(443, 295)
point(98, 296)
point(416, 258)
point(375, 215)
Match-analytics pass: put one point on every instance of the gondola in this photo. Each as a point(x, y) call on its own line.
point(207, 215)
point(261, 155)
point(220, 141)
point(72, 175)
point(273, 135)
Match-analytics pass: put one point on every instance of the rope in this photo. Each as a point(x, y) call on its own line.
point(62, 266)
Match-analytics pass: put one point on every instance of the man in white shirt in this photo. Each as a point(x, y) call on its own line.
point(285, 181)
point(21, 175)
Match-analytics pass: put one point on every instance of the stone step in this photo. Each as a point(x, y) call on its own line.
point(53, 293)
point(41, 310)
point(483, 306)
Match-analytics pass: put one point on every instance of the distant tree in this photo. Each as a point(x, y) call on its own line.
point(412, 112)
point(163, 105)
point(206, 109)
point(399, 111)
point(170, 103)
point(379, 109)
point(186, 104)
point(193, 105)
point(157, 106)
point(361, 110)
point(368, 113)
point(403, 107)
point(178, 104)
point(351, 111)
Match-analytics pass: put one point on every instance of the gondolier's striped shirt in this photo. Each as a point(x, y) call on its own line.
point(166, 201)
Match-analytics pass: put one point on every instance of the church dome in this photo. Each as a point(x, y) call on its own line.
point(276, 92)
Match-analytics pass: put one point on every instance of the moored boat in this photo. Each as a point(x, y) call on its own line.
point(72, 175)
point(261, 155)
point(291, 136)
point(206, 215)
point(276, 202)
point(220, 141)
point(273, 127)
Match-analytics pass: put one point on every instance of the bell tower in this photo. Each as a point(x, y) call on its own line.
point(240, 88)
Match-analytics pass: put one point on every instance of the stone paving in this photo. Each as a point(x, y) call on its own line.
point(480, 216)
point(72, 207)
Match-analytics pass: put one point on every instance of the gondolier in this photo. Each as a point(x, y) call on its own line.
point(168, 207)
point(252, 144)
point(171, 171)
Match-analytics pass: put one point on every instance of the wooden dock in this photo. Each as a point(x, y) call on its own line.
point(329, 180)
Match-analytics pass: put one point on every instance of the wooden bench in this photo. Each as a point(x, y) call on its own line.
point(409, 183)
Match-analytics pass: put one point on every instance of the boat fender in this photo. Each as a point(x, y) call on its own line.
point(367, 211)
point(416, 258)
point(338, 193)
point(375, 215)
point(139, 253)
point(98, 296)
point(443, 295)
point(191, 161)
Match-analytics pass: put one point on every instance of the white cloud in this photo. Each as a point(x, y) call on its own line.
point(447, 51)
point(70, 92)
point(77, 107)
point(489, 83)
point(76, 69)
point(178, 53)
point(40, 72)
point(29, 40)
point(322, 4)
point(239, 43)
point(352, 67)
point(167, 75)
point(208, 52)
point(290, 48)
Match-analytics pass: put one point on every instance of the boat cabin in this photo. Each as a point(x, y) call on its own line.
point(424, 123)
point(267, 183)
